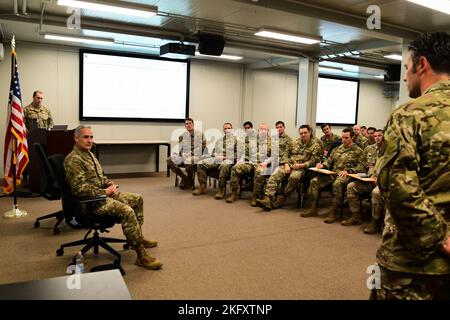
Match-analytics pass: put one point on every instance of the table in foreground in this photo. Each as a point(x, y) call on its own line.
point(102, 285)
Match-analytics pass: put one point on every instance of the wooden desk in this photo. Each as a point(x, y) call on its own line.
point(135, 142)
point(102, 285)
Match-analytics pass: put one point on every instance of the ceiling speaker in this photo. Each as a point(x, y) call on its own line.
point(210, 44)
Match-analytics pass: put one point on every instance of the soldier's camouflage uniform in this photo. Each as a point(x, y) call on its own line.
point(361, 141)
point(327, 141)
point(309, 153)
point(190, 151)
point(355, 187)
point(40, 115)
point(85, 177)
point(414, 179)
point(222, 158)
point(342, 158)
point(256, 151)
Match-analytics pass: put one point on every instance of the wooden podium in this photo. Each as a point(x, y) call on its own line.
point(54, 142)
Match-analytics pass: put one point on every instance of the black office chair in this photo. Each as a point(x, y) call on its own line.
point(79, 220)
point(49, 187)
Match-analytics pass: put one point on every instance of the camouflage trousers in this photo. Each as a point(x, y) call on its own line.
point(174, 162)
point(129, 208)
point(209, 164)
point(407, 286)
point(353, 190)
point(338, 186)
point(278, 177)
point(244, 169)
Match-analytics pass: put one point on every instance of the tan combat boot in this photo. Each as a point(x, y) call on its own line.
point(373, 227)
point(331, 217)
point(149, 243)
point(200, 190)
point(145, 260)
point(312, 211)
point(232, 197)
point(220, 194)
point(253, 201)
point(278, 202)
point(265, 203)
point(183, 182)
point(355, 219)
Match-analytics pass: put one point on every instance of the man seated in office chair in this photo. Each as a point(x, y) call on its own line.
point(85, 177)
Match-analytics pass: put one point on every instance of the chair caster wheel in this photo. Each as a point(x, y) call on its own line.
point(56, 231)
point(36, 224)
point(126, 246)
point(59, 252)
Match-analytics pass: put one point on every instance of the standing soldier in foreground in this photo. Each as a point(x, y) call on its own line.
point(414, 178)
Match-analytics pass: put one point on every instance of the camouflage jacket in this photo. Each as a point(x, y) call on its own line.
point(361, 141)
point(414, 179)
point(308, 153)
point(282, 151)
point(327, 141)
point(191, 144)
point(256, 149)
point(84, 174)
point(372, 152)
point(40, 115)
point(226, 147)
point(344, 158)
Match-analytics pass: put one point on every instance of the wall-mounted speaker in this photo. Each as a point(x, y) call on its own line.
point(392, 73)
point(210, 44)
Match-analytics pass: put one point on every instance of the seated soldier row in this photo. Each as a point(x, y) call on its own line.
point(283, 162)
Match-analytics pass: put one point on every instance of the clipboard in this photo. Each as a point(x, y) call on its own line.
point(358, 177)
point(324, 171)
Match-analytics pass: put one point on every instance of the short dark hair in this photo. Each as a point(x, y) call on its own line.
point(364, 127)
point(305, 126)
point(36, 92)
point(228, 123)
point(379, 130)
point(435, 47)
point(372, 128)
point(248, 123)
point(279, 122)
point(189, 119)
point(323, 125)
point(350, 130)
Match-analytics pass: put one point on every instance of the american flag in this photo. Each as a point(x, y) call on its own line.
point(16, 146)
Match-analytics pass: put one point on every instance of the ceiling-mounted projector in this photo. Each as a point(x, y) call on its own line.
point(176, 50)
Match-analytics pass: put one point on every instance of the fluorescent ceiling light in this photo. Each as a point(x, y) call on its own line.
point(74, 38)
point(126, 8)
point(222, 56)
point(288, 36)
point(439, 5)
point(394, 56)
point(379, 76)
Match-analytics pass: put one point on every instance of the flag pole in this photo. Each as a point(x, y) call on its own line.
point(15, 212)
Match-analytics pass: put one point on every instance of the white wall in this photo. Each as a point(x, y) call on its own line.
point(271, 96)
point(219, 92)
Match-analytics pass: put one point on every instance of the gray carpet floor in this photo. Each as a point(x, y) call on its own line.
point(210, 249)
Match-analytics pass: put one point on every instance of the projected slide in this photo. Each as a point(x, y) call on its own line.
point(337, 101)
point(116, 87)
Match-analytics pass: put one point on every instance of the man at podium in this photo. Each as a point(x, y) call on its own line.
point(36, 115)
